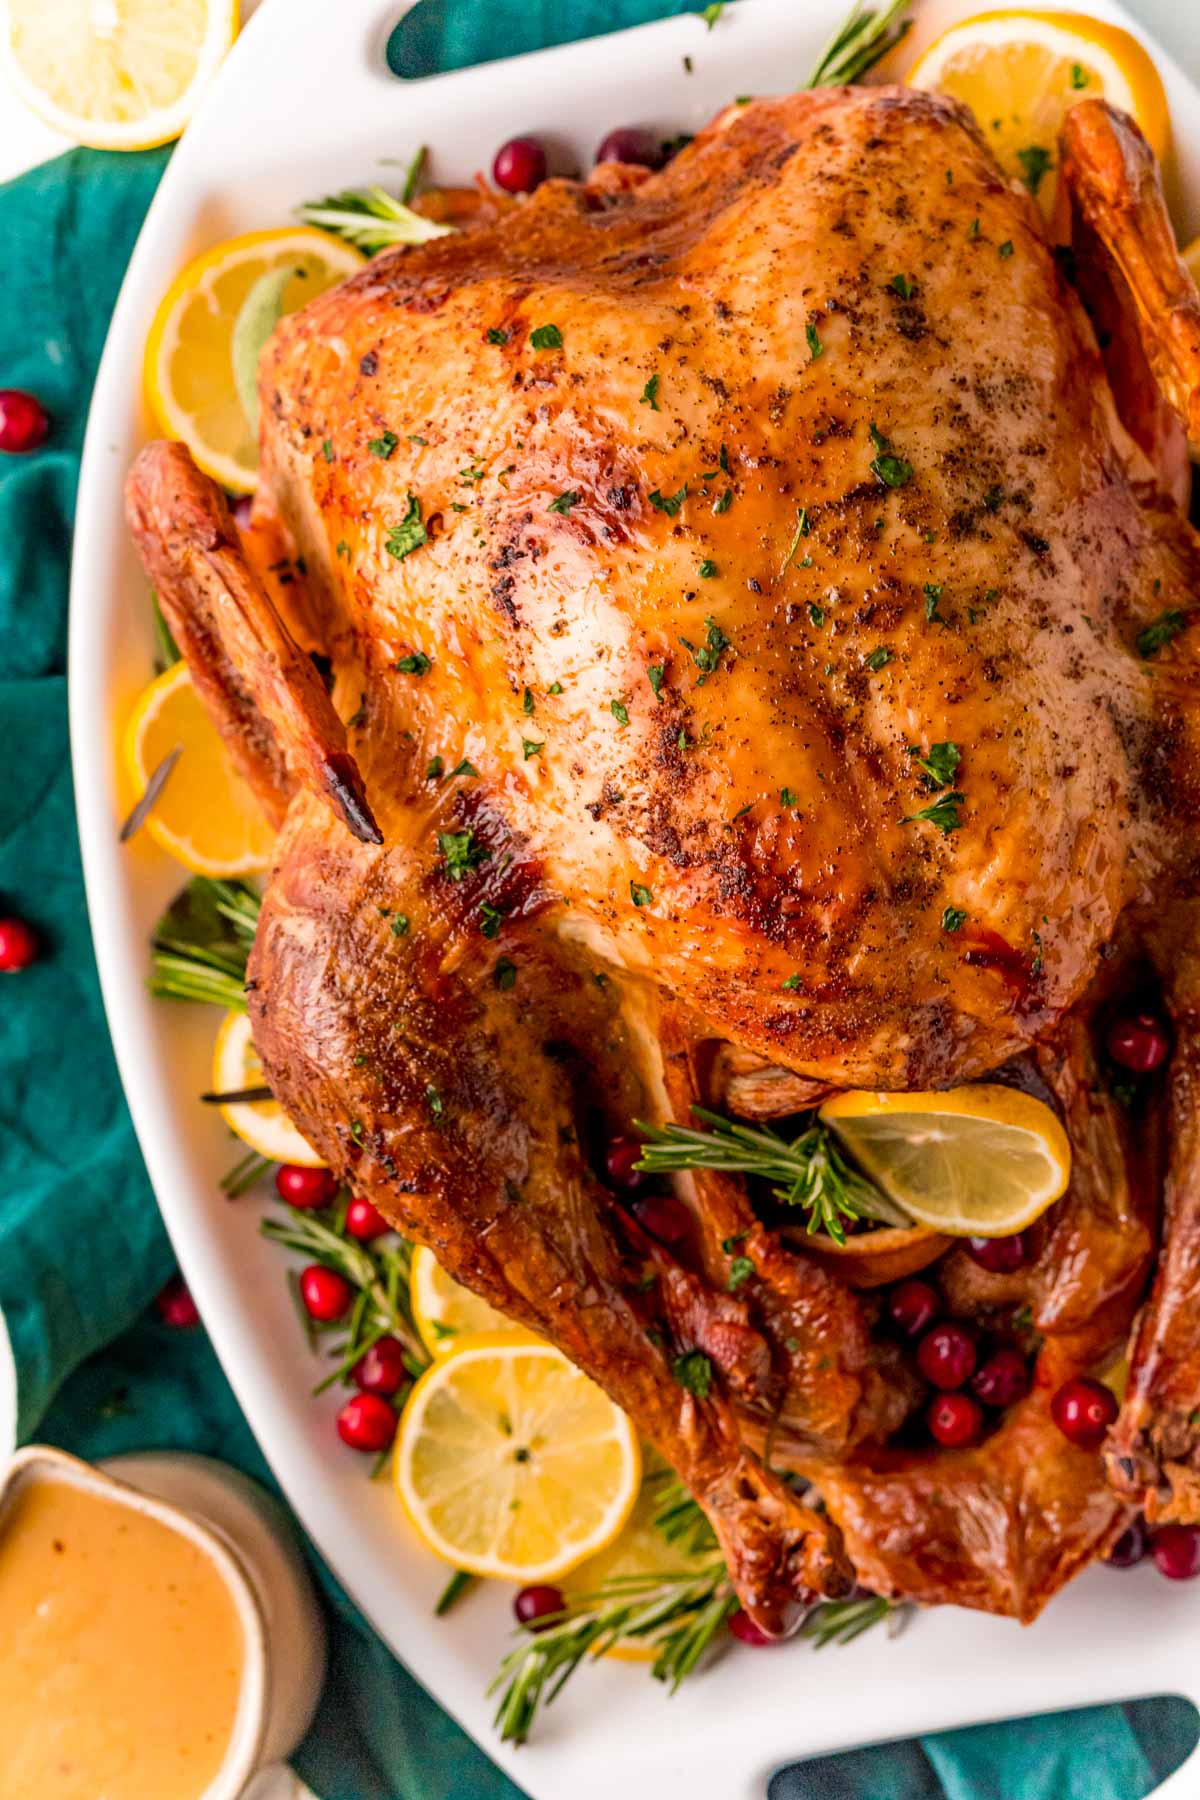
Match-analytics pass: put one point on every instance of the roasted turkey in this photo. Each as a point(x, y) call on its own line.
point(651, 532)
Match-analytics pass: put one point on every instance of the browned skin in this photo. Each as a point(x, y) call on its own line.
point(646, 920)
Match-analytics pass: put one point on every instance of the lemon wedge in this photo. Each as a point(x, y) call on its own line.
point(189, 368)
point(205, 815)
point(443, 1312)
point(510, 1462)
point(1019, 72)
point(262, 1124)
point(978, 1161)
point(118, 74)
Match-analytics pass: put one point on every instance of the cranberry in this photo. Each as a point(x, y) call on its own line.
point(629, 144)
point(175, 1306)
point(1130, 1547)
point(746, 1631)
point(381, 1370)
point(325, 1293)
point(913, 1306)
point(1139, 1042)
point(620, 1160)
point(1083, 1410)
point(305, 1188)
point(535, 1606)
point(23, 421)
point(364, 1221)
point(1176, 1551)
point(18, 946)
point(520, 166)
point(955, 1420)
point(367, 1422)
point(946, 1355)
point(999, 1255)
point(664, 1216)
point(1002, 1379)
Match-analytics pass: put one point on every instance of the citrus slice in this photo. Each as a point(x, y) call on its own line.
point(119, 74)
point(1019, 72)
point(189, 370)
point(444, 1312)
point(982, 1161)
point(262, 1124)
point(205, 815)
point(511, 1463)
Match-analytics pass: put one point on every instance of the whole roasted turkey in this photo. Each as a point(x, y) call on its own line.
point(654, 529)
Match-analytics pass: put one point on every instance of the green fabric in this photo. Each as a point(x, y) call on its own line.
point(82, 1250)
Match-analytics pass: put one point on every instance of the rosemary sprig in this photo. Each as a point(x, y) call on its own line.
point(378, 1270)
point(863, 39)
point(841, 1621)
point(460, 1583)
point(679, 1517)
point(244, 1175)
point(371, 218)
point(201, 943)
point(809, 1171)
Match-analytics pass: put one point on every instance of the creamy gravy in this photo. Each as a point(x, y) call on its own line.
point(121, 1652)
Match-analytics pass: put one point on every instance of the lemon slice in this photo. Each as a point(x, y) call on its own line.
point(981, 1161)
point(119, 74)
point(1019, 72)
point(443, 1311)
point(511, 1463)
point(262, 1124)
point(205, 815)
point(188, 366)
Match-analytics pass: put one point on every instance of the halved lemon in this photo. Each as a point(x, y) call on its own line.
point(510, 1462)
point(119, 74)
point(1020, 71)
point(188, 365)
point(205, 815)
point(978, 1161)
point(262, 1124)
point(443, 1312)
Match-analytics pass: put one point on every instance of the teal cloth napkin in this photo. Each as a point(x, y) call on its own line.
point(82, 1249)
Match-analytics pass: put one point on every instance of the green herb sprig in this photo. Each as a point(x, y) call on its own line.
point(201, 943)
point(863, 39)
point(371, 219)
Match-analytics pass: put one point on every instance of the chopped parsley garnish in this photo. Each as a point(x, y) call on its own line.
point(791, 984)
point(409, 534)
point(1035, 967)
point(490, 920)
point(327, 450)
point(879, 658)
point(619, 711)
point(1079, 76)
point(527, 701)
point(417, 663)
point(433, 1101)
point(816, 615)
point(383, 445)
point(436, 769)
point(933, 593)
point(650, 394)
point(707, 569)
point(973, 229)
point(801, 532)
point(712, 12)
point(531, 749)
point(1005, 249)
point(669, 503)
point(941, 765)
point(460, 853)
point(740, 1269)
point(694, 1372)
point(994, 498)
point(641, 896)
point(343, 549)
point(815, 346)
point(952, 918)
point(497, 336)
point(654, 675)
point(546, 337)
point(464, 768)
point(415, 438)
point(892, 470)
point(472, 475)
point(555, 687)
point(564, 502)
point(505, 973)
point(1167, 626)
point(707, 656)
point(1036, 163)
point(399, 924)
point(786, 797)
point(943, 813)
point(902, 285)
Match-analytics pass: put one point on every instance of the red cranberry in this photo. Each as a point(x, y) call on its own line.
point(381, 1370)
point(536, 1606)
point(366, 1422)
point(955, 1420)
point(1139, 1042)
point(305, 1188)
point(620, 1163)
point(1083, 1410)
point(325, 1293)
point(1176, 1551)
point(364, 1221)
point(23, 421)
point(1130, 1547)
point(664, 1216)
point(746, 1631)
point(18, 946)
point(175, 1306)
point(946, 1355)
point(999, 1255)
point(629, 144)
point(1002, 1379)
point(520, 166)
point(913, 1306)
